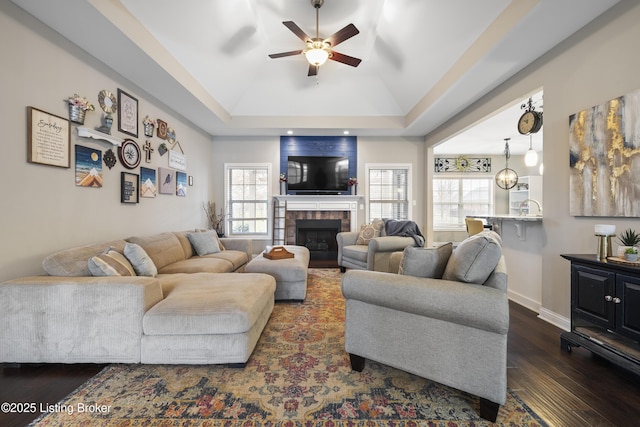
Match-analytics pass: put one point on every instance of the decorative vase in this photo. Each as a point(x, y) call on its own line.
point(76, 114)
point(148, 130)
point(631, 257)
point(283, 188)
point(353, 190)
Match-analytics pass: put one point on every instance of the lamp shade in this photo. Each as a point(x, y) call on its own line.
point(317, 56)
point(531, 158)
point(506, 179)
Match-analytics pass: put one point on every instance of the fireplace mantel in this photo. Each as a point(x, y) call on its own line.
point(325, 203)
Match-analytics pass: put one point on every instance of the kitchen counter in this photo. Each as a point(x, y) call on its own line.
point(516, 220)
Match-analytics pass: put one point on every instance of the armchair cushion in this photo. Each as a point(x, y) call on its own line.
point(474, 259)
point(370, 231)
point(425, 262)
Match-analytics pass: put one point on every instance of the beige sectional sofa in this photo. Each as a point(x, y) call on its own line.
point(194, 310)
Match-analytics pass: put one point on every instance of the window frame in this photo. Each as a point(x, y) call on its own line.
point(227, 197)
point(461, 177)
point(389, 166)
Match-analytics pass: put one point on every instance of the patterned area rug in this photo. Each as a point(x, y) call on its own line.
point(298, 376)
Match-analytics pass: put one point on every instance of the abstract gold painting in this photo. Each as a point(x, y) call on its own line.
point(604, 152)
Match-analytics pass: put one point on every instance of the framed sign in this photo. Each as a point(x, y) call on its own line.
point(177, 160)
point(48, 139)
point(127, 113)
point(129, 188)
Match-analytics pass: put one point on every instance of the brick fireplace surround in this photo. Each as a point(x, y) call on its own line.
point(343, 208)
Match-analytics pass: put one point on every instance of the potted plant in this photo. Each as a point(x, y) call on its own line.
point(628, 239)
point(283, 184)
point(78, 106)
point(631, 254)
point(352, 183)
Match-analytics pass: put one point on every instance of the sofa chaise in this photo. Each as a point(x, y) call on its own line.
point(190, 309)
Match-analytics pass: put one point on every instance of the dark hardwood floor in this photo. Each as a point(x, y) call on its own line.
point(565, 389)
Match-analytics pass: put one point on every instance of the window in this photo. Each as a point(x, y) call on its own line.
point(455, 198)
point(247, 195)
point(389, 191)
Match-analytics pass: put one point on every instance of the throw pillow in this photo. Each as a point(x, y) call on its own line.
point(204, 243)
point(474, 259)
point(110, 263)
point(425, 262)
point(140, 260)
point(370, 231)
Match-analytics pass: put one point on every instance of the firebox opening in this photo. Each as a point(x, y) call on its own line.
point(319, 236)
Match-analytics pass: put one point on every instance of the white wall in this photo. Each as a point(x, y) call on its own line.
point(42, 210)
point(595, 65)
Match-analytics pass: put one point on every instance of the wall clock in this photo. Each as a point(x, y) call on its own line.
point(530, 122)
point(129, 154)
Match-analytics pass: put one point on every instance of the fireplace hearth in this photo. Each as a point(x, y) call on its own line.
point(319, 236)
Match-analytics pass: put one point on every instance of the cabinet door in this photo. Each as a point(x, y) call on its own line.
point(628, 301)
point(591, 295)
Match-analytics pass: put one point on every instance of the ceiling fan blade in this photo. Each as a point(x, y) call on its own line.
point(283, 54)
point(342, 35)
point(313, 70)
point(297, 30)
point(345, 59)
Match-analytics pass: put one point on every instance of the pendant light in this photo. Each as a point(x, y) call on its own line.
point(506, 178)
point(531, 158)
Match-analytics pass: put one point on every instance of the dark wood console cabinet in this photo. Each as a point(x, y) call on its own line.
point(605, 310)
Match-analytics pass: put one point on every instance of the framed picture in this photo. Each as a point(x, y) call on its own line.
point(162, 129)
point(48, 139)
point(148, 186)
point(88, 167)
point(166, 181)
point(181, 184)
point(127, 113)
point(129, 188)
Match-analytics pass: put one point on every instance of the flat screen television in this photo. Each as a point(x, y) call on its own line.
point(317, 174)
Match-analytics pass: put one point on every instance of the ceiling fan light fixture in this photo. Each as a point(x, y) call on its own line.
point(317, 53)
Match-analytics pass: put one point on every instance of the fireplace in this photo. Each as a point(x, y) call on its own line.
point(319, 236)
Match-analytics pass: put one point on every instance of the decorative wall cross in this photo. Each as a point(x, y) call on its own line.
point(147, 147)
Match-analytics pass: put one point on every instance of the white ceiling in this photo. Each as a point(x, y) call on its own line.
point(423, 61)
point(488, 137)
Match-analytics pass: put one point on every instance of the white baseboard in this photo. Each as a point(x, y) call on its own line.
point(544, 314)
point(524, 301)
point(555, 319)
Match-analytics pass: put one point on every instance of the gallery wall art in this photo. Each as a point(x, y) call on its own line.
point(88, 167)
point(148, 186)
point(604, 153)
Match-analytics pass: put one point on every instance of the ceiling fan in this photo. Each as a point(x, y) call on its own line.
point(318, 50)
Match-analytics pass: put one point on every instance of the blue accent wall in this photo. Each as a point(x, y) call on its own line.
point(344, 146)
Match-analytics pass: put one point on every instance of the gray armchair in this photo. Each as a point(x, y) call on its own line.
point(374, 256)
point(452, 330)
